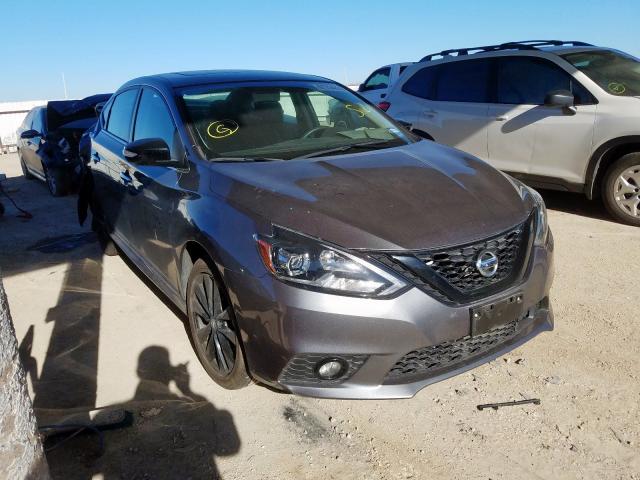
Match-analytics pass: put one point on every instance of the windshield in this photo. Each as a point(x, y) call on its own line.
point(285, 122)
point(615, 72)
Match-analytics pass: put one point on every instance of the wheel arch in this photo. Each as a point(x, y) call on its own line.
point(192, 251)
point(603, 157)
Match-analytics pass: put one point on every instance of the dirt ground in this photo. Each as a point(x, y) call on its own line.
point(94, 333)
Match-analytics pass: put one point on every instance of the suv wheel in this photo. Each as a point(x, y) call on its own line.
point(622, 189)
point(213, 328)
point(56, 182)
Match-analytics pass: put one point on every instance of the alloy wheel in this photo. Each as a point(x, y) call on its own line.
point(627, 191)
point(213, 325)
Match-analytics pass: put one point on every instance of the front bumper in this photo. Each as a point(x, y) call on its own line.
point(281, 324)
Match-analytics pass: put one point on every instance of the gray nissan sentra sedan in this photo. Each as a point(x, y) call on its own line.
point(314, 244)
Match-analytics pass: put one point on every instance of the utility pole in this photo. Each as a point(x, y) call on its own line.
point(21, 454)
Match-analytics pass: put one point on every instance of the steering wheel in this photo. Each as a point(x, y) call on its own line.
point(315, 132)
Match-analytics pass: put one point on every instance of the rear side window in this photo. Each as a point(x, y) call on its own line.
point(121, 114)
point(422, 83)
point(464, 81)
point(527, 81)
point(153, 120)
point(378, 79)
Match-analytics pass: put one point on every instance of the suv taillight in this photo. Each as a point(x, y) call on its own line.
point(384, 106)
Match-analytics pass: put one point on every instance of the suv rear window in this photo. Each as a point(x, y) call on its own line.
point(528, 80)
point(464, 81)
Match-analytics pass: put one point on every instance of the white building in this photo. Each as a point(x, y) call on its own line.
point(11, 116)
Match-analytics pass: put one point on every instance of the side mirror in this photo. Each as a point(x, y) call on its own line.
point(147, 151)
point(98, 108)
point(29, 134)
point(361, 87)
point(559, 98)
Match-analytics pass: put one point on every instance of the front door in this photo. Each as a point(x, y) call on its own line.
point(154, 194)
point(525, 135)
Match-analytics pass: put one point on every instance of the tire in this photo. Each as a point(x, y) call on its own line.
point(56, 182)
point(621, 189)
point(213, 328)
point(25, 171)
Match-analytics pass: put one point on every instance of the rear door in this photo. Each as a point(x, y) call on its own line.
point(23, 143)
point(37, 124)
point(107, 163)
point(453, 101)
point(154, 194)
point(525, 135)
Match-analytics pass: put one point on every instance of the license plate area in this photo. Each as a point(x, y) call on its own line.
point(486, 317)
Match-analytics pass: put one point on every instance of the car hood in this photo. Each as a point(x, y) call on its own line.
point(418, 196)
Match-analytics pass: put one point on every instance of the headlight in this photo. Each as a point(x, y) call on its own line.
point(541, 226)
point(293, 257)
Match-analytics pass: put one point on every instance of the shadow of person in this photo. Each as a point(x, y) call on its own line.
point(176, 432)
point(29, 362)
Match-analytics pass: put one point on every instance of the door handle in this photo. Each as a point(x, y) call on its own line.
point(126, 177)
point(96, 157)
point(502, 118)
point(430, 113)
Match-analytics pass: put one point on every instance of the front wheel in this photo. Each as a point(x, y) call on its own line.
point(621, 192)
point(213, 328)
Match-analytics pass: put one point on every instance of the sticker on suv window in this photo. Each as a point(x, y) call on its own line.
point(222, 128)
point(617, 88)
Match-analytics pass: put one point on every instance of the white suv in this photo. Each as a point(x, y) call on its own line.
point(559, 115)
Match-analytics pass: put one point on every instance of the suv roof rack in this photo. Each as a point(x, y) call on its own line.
point(523, 45)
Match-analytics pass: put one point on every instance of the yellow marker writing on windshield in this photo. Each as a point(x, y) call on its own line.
point(356, 108)
point(222, 128)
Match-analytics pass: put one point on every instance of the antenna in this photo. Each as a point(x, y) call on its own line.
point(64, 84)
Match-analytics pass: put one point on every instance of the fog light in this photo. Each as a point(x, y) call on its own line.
point(330, 369)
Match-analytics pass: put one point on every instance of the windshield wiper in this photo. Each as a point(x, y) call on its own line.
point(344, 148)
point(245, 159)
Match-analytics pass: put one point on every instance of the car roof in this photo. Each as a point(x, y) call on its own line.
point(200, 77)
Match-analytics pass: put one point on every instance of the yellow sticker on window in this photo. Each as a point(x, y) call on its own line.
point(361, 111)
point(617, 88)
point(222, 128)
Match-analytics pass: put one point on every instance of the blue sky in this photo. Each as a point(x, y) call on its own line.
point(101, 45)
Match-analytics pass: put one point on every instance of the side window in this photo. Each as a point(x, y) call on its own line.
point(463, 81)
point(104, 115)
point(422, 83)
point(153, 120)
point(37, 124)
point(527, 81)
point(121, 114)
point(26, 123)
point(378, 79)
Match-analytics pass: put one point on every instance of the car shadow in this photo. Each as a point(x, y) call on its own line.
point(174, 432)
point(576, 204)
